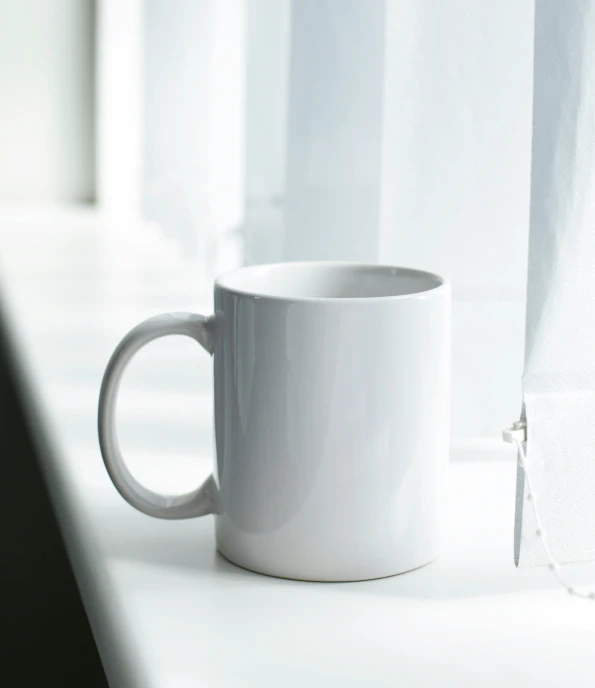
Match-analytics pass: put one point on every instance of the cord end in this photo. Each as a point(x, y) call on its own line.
point(517, 433)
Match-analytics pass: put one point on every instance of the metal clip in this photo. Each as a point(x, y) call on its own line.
point(517, 433)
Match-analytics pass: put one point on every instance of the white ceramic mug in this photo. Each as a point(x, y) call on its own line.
point(331, 418)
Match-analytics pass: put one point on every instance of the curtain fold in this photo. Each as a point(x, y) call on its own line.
point(559, 377)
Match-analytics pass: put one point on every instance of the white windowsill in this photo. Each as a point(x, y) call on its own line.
point(166, 610)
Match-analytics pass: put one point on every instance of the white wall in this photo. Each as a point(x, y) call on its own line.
point(46, 101)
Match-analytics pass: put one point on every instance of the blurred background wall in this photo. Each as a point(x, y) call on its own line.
point(47, 104)
point(243, 131)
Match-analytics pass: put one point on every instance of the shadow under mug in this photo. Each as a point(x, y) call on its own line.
point(331, 393)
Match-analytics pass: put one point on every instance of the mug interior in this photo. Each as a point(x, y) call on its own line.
point(328, 281)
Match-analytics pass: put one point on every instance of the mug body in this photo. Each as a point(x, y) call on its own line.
point(331, 419)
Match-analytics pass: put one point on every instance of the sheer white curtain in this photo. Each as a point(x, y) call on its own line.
point(46, 112)
point(391, 131)
point(171, 124)
point(407, 141)
point(559, 379)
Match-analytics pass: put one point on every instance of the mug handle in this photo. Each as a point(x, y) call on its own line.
point(196, 503)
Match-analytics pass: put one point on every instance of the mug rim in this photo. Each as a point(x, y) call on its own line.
point(441, 284)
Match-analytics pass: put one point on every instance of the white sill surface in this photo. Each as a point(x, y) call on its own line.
point(166, 610)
